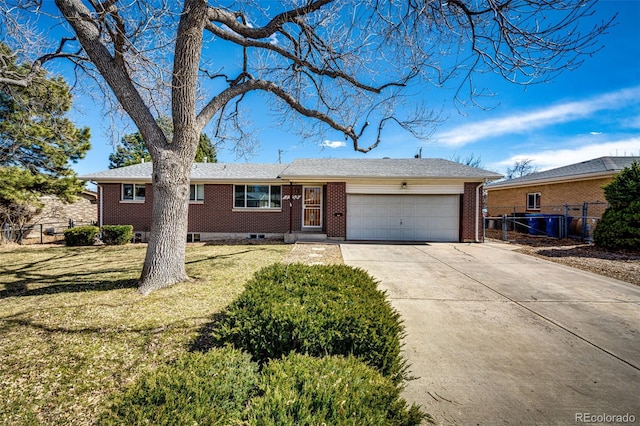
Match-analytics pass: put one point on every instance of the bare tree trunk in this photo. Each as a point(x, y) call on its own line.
point(164, 264)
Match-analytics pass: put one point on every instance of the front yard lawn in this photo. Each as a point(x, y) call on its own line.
point(73, 329)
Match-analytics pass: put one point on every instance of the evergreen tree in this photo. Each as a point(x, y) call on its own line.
point(619, 228)
point(132, 149)
point(37, 142)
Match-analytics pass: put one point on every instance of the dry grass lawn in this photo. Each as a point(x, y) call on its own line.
point(74, 330)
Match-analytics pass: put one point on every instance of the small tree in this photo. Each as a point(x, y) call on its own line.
point(470, 160)
point(619, 228)
point(521, 168)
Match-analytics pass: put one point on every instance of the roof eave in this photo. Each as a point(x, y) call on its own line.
point(534, 182)
point(369, 177)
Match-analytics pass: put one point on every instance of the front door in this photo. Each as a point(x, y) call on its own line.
point(312, 207)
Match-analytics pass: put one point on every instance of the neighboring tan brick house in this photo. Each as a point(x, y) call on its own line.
point(548, 192)
point(56, 213)
point(366, 199)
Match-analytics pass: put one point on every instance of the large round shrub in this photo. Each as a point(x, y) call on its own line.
point(619, 227)
point(81, 235)
point(316, 310)
point(210, 388)
point(303, 390)
point(117, 234)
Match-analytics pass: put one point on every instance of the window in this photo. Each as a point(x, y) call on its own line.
point(133, 191)
point(533, 201)
point(257, 196)
point(193, 238)
point(196, 192)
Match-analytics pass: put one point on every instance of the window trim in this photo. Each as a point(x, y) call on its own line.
point(536, 201)
point(135, 198)
point(196, 200)
point(270, 207)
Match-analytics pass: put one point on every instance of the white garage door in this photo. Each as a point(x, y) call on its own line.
point(403, 217)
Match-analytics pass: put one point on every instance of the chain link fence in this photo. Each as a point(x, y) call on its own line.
point(39, 233)
point(576, 221)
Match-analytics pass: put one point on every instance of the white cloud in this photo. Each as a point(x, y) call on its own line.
point(333, 144)
point(527, 121)
point(550, 159)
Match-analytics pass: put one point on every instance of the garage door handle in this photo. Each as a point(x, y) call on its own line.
point(400, 221)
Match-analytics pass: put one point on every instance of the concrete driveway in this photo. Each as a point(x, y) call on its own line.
point(498, 337)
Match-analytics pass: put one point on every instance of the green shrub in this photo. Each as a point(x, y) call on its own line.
point(117, 234)
point(619, 229)
point(302, 390)
point(210, 388)
point(624, 188)
point(315, 310)
point(81, 235)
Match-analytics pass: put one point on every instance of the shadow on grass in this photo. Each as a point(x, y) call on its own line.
point(20, 289)
point(219, 256)
point(205, 340)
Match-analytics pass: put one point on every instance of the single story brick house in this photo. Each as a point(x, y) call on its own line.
point(549, 191)
point(417, 199)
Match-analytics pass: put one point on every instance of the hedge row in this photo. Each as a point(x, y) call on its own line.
point(224, 387)
point(301, 345)
point(316, 310)
point(87, 235)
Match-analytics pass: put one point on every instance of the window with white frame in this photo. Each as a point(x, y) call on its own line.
point(133, 191)
point(196, 192)
point(257, 196)
point(533, 201)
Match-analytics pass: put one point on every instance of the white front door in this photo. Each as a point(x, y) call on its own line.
point(312, 207)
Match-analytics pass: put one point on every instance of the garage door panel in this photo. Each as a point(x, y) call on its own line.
point(403, 217)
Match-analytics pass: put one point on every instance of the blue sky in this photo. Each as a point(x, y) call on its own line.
point(582, 114)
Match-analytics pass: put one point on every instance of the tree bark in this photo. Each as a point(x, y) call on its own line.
point(164, 263)
point(165, 260)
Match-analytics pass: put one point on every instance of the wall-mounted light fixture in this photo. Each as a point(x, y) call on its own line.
point(404, 185)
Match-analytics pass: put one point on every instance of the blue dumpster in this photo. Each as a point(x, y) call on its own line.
point(552, 225)
point(536, 225)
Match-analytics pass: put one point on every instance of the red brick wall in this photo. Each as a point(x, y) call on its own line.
point(215, 214)
point(468, 213)
point(336, 210)
point(116, 212)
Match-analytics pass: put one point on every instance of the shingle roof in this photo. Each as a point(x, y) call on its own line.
point(383, 168)
point(597, 166)
point(310, 168)
point(199, 171)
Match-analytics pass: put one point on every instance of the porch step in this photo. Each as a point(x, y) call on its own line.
point(304, 237)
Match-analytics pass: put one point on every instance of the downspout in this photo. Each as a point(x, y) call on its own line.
point(100, 205)
point(477, 215)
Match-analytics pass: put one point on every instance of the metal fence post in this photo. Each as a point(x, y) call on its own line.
point(505, 235)
point(585, 210)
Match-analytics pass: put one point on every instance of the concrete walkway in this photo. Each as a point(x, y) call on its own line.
point(497, 337)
